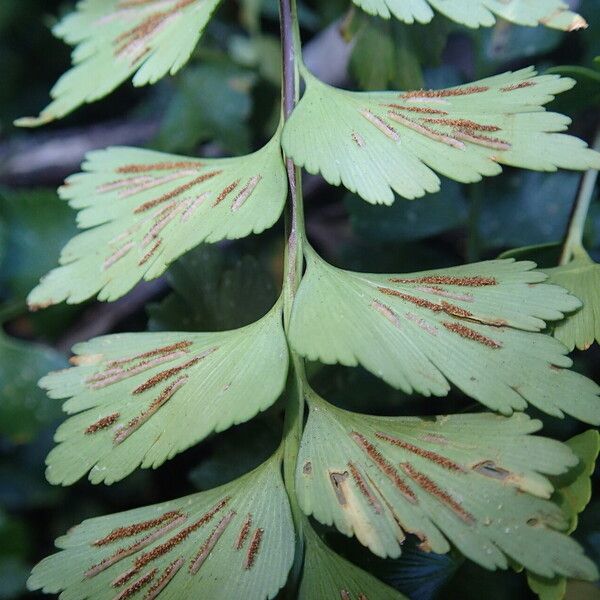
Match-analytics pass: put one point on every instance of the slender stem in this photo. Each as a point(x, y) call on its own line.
point(294, 230)
point(573, 244)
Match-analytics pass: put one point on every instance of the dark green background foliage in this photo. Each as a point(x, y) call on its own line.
point(226, 102)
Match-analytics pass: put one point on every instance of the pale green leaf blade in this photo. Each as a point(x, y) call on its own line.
point(327, 576)
point(375, 143)
point(476, 13)
point(476, 481)
point(235, 541)
point(117, 39)
point(474, 326)
point(143, 209)
point(582, 278)
point(142, 398)
point(573, 493)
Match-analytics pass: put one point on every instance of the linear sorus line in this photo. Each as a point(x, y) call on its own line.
point(438, 291)
point(422, 323)
point(167, 575)
point(153, 182)
point(443, 461)
point(137, 585)
point(147, 27)
point(426, 131)
point(358, 139)
point(422, 302)
point(168, 373)
point(253, 548)
point(462, 124)
point(150, 253)
point(362, 596)
point(118, 255)
point(121, 183)
point(364, 488)
point(130, 530)
point(116, 374)
point(161, 222)
point(386, 311)
point(243, 534)
point(163, 350)
point(446, 93)
point(471, 334)
point(432, 488)
point(381, 125)
point(517, 86)
point(210, 542)
point(482, 140)
point(103, 423)
point(226, 191)
point(176, 192)
point(457, 311)
point(417, 109)
point(138, 421)
point(469, 281)
point(246, 192)
point(384, 466)
point(177, 539)
point(122, 553)
point(193, 206)
point(159, 166)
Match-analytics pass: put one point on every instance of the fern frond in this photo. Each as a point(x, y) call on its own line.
point(377, 143)
point(328, 575)
point(142, 398)
point(114, 39)
point(582, 278)
point(477, 13)
point(474, 326)
point(473, 480)
point(235, 541)
point(143, 209)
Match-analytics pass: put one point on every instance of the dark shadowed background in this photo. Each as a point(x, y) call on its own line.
point(226, 102)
